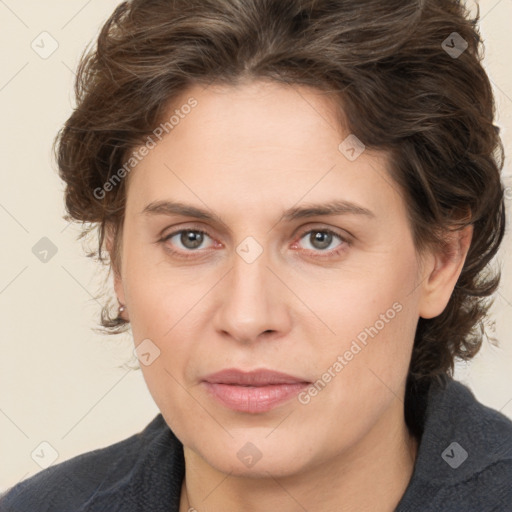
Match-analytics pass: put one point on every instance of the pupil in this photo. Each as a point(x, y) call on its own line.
point(191, 239)
point(324, 239)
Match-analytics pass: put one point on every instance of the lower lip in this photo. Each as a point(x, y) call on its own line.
point(254, 399)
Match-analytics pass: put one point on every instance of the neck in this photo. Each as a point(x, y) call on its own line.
point(370, 476)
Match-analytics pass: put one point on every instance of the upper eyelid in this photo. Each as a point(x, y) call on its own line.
point(172, 234)
point(200, 227)
point(329, 230)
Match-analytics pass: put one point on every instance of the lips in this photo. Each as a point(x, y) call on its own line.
point(253, 378)
point(255, 391)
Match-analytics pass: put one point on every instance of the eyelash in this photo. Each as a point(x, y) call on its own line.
point(325, 254)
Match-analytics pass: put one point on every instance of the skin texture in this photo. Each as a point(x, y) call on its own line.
point(247, 154)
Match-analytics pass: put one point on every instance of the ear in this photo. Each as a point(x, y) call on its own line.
point(113, 250)
point(441, 271)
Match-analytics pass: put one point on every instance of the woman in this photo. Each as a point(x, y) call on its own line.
point(299, 200)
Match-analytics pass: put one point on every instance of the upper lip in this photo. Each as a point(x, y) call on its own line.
point(260, 377)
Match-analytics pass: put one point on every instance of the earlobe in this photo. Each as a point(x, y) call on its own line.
point(442, 272)
point(113, 249)
point(119, 291)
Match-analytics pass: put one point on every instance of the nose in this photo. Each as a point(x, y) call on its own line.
point(252, 303)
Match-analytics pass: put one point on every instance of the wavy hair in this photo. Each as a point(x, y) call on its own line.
point(397, 86)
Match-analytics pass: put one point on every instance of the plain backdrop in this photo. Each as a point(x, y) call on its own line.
point(65, 389)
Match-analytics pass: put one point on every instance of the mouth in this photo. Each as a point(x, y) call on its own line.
point(256, 391)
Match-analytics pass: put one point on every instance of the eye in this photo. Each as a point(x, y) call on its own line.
point(190, 239)
point(186, 242)
point(320, 240)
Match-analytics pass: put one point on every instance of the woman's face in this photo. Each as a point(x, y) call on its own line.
point(272, 283)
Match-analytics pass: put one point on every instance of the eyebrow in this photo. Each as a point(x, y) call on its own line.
point(336, 207)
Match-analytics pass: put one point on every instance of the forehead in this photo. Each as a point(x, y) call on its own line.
point(258, 118)
point(259, 142)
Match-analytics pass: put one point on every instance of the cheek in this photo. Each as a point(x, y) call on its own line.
point(160, 296)
point(372, 319)
point(373, 302)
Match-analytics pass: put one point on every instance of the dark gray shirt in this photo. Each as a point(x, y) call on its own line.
point(464, 464)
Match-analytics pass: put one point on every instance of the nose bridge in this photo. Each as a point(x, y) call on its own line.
point(251, 302)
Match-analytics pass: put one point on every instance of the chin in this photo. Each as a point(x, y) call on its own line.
point(248, 461)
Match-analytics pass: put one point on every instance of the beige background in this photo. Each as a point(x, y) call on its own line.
point(61, 383)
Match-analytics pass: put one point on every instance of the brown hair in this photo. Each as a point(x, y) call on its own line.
point(399, 87)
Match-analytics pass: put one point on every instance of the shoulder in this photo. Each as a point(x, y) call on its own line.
point(465, 455)
point(488, 490)
point(107, 475)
